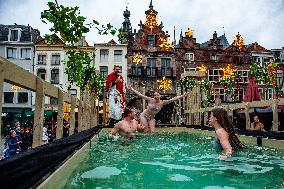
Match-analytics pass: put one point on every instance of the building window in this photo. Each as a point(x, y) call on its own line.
point(55, 59)
point(26, 53)
point(117, 55)
point(73, 92)
point(14, 36)
point(151, 66)
point(243, 75)
point(104, 55)
point(137, 70)
point(41, 73)
point(220, 92)
point(279, 78)
point(8, 97)
point(239, 94)
point(215, 58)
point(80, 43)
point(166, 69)
point(215, 75)
point(23, 97)
point(12, 53)
point(189, 56)
point(53, 101)
point(152, 40)
point(269, 93)
point(54, 76)
point(104, 71)
point(41, 59)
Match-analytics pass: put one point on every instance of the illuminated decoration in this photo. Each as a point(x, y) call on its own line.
point(151, 20)
point(228, 72)
point(15, 88)
point(187, 83)
point(202, 68)
point(239, 42)
point(164, 43)
point(189, 32)
point(206, 89)
point(260, 73)
point(272, 71)
point(164, 84)
point(137, 59)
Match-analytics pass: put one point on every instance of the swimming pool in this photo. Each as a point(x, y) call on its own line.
point(170, 160)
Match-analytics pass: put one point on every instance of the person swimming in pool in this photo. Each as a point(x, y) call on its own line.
point(147, 117)
point(128, 126)
point(226, 137)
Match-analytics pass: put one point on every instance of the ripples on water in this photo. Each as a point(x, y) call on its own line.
point(175, 161)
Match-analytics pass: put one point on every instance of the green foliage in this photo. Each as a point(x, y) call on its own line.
point(260, 73)
point(70, 26)
point(205, 87)
point(187, 83)
point(229, 84)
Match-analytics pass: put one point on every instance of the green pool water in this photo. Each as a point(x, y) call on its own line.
point(180, 160)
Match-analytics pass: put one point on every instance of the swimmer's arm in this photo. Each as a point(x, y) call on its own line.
point(138, 93)
point(224, 140)
point(115, 129)
point(174, 99)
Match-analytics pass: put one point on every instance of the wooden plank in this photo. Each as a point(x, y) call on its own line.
point(1, 96)
point(80, 115)
point(72, 116)
point(39, 113)
point(25, 79)
point(59, 129)
point(275, 115)
point(247, 116)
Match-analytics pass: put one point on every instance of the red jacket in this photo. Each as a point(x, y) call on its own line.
point(119, 86)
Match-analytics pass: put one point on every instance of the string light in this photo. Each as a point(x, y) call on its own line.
point(164, 84)
point(164, 43)
point(151, 20)
point(202, 68)
point(15, 88)
point(189, 32)
point(137, 59)
point(228, 72)
point(239, 42)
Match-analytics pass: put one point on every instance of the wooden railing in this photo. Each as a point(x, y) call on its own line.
point(273, 103)
point(87, 112)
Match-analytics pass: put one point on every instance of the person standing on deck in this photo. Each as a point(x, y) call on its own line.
point(115, 89)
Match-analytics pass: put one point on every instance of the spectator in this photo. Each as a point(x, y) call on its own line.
point(14, 142)
point(27, 139)
point(44, 135)
point(66, 127)
point(258, 126)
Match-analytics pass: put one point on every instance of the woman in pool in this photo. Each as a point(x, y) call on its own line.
point(226, 137)
point(147, 117)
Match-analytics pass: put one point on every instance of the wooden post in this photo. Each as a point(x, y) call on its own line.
point(80, 115)
point(94, 112)
point(247, 116)
point(72, 116)
point(59, 129)
point(1, 96)
point(143, 100)
point(274, 107)
point(39, 113)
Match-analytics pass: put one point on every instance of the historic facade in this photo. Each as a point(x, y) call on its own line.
point(17, 45)
point(150, 58)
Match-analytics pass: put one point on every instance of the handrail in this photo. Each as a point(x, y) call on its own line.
point(13, 74)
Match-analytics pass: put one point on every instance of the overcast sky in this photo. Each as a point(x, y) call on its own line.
point(259, 21)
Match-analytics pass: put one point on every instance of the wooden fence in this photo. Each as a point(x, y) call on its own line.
point(87, 112)
point(273, 103)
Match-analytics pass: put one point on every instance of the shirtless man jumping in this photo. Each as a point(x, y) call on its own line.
point(128, 126)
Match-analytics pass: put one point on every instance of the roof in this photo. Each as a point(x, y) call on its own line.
point(28, 34)
point(44, 41)
point(223, 41)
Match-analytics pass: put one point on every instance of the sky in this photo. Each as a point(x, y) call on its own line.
point(259, 21)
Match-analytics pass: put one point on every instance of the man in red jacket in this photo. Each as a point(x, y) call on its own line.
point(115, 89)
